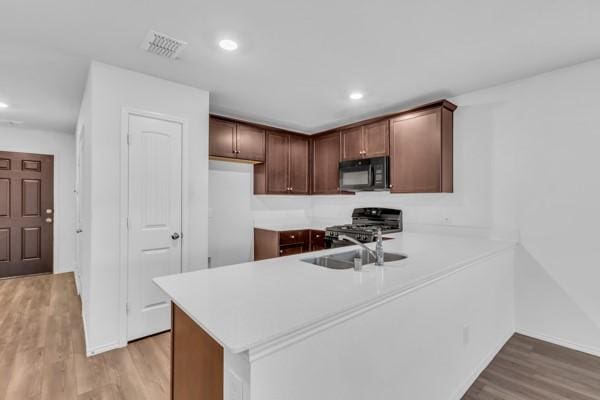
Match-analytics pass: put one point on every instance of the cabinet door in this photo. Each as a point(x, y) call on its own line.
point(278, 163)
point(299, 150)
point(377, 139)
point(317, 240)
point(326, 160)
point(415, 152)
point(250, 143)
point(352, 143)
point(221, 138)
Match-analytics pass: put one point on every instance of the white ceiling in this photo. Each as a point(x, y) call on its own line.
point(297, 61)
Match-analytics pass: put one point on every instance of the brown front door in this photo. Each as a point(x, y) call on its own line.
point(26, 213)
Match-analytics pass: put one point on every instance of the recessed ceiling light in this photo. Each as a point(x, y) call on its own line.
point(3, 105)
point(356, 95)
point(228, 44)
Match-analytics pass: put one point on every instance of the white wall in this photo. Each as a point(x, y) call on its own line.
point(62, 146)
point(526, 168)
point(84, 239)
point(233, 211)
point(110, 90)
point(458, 324)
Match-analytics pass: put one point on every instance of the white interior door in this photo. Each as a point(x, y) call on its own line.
point(154, 220)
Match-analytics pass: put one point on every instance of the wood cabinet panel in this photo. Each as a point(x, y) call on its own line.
point(326, 159)
point(416, 152)
point(250, 143)
point(376, 139)
point(293, 237)
point(299, 153)
point(291, 250)
point(221, 138)
point(317, 240)
point(266, 244)
point(352, 143)
point(278, 163)
point(196, 360)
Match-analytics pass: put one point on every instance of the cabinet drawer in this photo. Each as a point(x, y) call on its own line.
point(290, 250)
point(292, 237)
point(317, 236)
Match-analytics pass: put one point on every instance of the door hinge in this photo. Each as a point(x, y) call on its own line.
point(127, 222)
point(129, 139)
point(127, 308)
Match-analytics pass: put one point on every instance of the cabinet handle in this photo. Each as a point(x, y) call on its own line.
point(317, 236)
point(292, 237)
point(391, 186)
point(280, 251)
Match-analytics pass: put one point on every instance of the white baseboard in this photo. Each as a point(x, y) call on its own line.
point(561, 342)
point(85, 334)
point(480, 367)
point(91, 351)
point(77, 282)
point(103, 348)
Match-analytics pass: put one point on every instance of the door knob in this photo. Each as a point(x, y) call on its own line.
point(175, 236)
point(79, 231)
point(48, 220)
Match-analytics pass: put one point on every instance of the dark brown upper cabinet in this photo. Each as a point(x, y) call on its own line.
point(326, 159)
point(352, 143)
point(286, 166)
point(221, 138)
point(376, 139)
point(236, 141)
point(365, 141)
point(250, 143)
point(299, 154)
point(421, 151)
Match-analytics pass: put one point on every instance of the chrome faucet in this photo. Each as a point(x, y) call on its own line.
point(378, 254)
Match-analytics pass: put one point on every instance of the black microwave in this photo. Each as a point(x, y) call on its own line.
point(367, 174)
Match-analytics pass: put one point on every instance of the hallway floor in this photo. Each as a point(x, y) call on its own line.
point(42, 356)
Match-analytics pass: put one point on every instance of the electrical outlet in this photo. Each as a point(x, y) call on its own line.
point(466, 334)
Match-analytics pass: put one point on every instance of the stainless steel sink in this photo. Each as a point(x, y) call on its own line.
point(345, 260)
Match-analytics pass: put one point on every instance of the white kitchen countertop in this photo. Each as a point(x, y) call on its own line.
point(253, 304)
point(294, 225)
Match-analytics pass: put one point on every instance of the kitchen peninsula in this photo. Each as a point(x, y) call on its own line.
point(281, 328)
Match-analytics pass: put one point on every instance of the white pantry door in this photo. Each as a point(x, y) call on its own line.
point(154, 223)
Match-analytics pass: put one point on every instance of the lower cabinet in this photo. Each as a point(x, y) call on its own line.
point(271, 244)
point(196, 360)
point(317, 240)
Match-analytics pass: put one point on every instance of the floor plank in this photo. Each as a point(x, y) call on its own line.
point(530, 369)
point(42, 349)
point(42, 356)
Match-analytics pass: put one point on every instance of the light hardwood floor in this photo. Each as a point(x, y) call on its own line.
point(42, 356)
point(42, 353)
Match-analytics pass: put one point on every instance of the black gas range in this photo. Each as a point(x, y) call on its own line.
point(364, 226)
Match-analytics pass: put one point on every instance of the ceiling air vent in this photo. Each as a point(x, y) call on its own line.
point(163, 45)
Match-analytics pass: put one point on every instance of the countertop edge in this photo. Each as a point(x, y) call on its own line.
point(292, 335)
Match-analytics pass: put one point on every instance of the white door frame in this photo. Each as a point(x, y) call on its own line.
point(124, 239)
point(79, 141)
